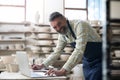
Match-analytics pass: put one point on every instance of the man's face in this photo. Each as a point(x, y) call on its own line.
point(59, 24)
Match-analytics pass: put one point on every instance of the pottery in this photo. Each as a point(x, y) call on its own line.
point(55, 36)
point(47, 55)
point(19, 46)
point(35, 48)
point(68, 49)
point(2, 65)
point(95, 22)
point(1, 37)
point(7, 59)
point(64, 57)
point(44, 36)
point(55, 41)
point(45, 42)
point(42, 29)
point(4, 47)
point(116, 31)
point(46, 49)
point(12, 67)
point(117, 53)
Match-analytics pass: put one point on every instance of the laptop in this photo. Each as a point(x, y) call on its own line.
point(24, 66)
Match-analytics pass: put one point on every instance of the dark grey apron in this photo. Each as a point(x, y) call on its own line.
point(92, 58)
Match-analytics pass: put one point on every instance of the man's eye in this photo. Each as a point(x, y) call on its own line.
point(59, 24)
point(54, 27)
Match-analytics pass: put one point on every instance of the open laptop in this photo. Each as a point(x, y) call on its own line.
point(24, 67)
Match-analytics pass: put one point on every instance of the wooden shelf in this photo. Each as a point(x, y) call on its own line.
point(49, 45)
point(116, 35)
point(115, 20)
point(46, 39)
point(13, 40)
point(16, 23)
point(36, 32)
point(9, 32)
point(97, 26)
point(42, 25)
point(13, 50)
point(115, 67)
point(115, 58)
point(115, 48)
point(43, 32)
point(42, 53)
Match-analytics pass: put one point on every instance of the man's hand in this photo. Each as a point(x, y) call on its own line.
point(53, 72)
point(37, 67)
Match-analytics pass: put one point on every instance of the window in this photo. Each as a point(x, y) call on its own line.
point(17, 11)
point(76, 9)
point(95, 10)
point(12, 10)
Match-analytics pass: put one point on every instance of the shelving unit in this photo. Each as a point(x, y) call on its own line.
point(113, 41)
point(11, 38)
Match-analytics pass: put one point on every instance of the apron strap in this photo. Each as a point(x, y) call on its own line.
point(71, 30)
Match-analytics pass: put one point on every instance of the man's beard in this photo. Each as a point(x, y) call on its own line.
point(63, 30)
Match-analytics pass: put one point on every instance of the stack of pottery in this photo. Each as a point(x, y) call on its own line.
point(68, 49)
point(35, 49)
point(43, 36)
point(117, 53)
point(10, 64)
point(64, 57)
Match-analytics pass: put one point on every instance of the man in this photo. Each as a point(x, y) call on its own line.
point(85, 41)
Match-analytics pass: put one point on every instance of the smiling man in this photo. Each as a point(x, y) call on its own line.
point(86, 43)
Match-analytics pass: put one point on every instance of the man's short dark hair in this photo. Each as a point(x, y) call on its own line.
point(55, 15)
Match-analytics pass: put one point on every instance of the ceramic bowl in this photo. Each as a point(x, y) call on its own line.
point(12, 67)
point(47, 55)
point(68, 49)
point(95, 22)
point(44, 36)
point(116, 31)
point(55, 41)
point(32, 36)
point(35, 51)
point(11, 47)
point(45, 42)
point(101, 31)
point(46, 49)
point(35, 48)
point(1, 37)
point(19, 46)
point(7, 59)
point(55, 36)
point(2, 65)
point(64, 57)
point(117, 53)
point(32, 42)
point(42, 29)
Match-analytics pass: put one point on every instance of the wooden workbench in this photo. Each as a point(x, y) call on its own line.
point(7, 75)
